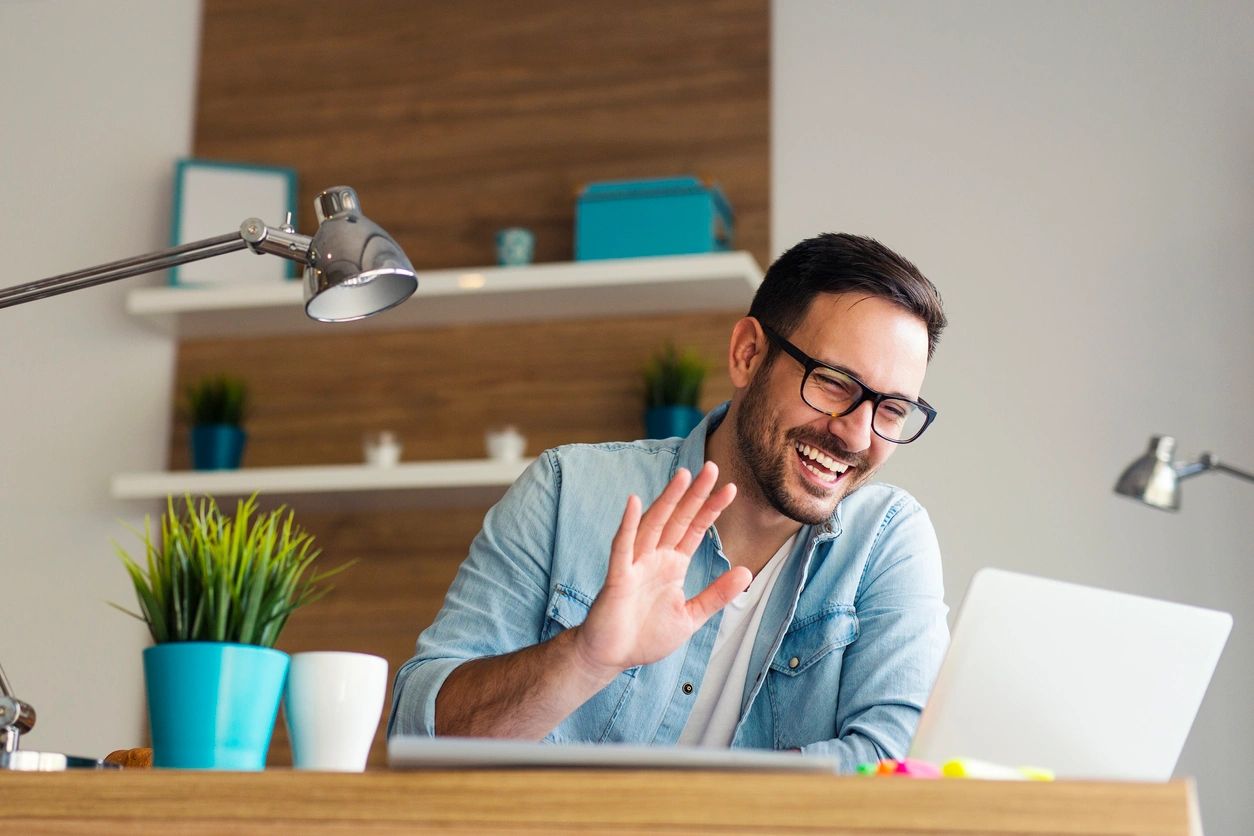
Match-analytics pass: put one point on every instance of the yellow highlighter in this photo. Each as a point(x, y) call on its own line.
point(971, 768)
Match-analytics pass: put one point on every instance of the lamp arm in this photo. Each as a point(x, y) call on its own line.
point(6, 690)
point(1232, 471)
point(115, 270)
point(283, 241)
point(253, 234)
point(1208, 462)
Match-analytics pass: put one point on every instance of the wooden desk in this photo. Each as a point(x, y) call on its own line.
point(578, 801)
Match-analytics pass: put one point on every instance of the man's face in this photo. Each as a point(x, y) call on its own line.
point(793, 454)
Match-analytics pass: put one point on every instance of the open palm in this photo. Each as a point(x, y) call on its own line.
point(641, 614)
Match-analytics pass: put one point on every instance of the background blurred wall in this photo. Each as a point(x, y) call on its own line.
point(1077, 179)
point(95, 110)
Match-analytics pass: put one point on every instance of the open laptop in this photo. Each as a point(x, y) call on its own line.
point(1083, 681)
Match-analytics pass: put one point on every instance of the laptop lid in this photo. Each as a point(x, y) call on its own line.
point(1086, 682)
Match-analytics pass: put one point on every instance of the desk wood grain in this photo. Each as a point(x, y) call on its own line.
point(582, 801)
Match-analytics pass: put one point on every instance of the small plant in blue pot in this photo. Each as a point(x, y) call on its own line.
point(672, 390)
point(215, 590)
point(215, 408)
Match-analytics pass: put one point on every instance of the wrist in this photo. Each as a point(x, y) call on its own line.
point(595, 673)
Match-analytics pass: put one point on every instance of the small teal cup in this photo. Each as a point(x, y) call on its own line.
point(515, 246)
point(213, 705)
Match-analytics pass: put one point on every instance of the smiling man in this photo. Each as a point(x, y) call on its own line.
point(810, 617)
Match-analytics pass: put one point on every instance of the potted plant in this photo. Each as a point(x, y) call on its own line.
point(215, 591)
point(672, 389)
point(215, 407)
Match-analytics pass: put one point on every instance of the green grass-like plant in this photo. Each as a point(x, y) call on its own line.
point(216, 399)
point(673, 378)
point(220, 578)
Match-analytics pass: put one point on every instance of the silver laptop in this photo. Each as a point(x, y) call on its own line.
point(1083, 681)
point(413, 751)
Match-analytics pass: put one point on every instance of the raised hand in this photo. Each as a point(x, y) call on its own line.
point(641, 614)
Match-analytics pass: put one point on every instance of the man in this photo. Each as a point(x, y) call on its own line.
point(811, 618)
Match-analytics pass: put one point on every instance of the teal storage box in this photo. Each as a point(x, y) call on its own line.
point(664, 216)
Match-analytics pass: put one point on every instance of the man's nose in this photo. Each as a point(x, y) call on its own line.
point(854, 429)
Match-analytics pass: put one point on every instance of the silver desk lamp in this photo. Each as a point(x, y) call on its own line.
point(1155, 479)
point(17, 718)
point(353, 269)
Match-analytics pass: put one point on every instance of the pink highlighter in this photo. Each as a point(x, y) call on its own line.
point(917, 768)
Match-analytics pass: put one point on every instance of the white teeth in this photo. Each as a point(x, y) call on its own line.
point(829, 478)
point(822, 458)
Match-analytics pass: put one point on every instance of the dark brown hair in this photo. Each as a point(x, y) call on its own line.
point(841, 263)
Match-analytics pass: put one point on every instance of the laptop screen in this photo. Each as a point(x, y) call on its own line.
point(1086, 682)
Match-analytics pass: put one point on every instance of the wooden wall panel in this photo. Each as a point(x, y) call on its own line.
point(440, 389)
point(453, 119)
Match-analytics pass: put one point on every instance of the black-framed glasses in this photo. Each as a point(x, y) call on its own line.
point(837, 393)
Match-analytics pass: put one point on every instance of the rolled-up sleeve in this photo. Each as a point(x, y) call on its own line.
point(889, 670)
point(496, 602)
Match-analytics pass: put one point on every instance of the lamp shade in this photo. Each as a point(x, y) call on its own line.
point(1152, 478)
point(354, 268)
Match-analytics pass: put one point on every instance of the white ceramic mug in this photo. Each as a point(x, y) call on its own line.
point(332, 707)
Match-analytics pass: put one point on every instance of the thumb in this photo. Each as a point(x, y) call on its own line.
point(717, 595)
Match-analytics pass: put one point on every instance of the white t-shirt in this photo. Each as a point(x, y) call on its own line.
point(717, 710)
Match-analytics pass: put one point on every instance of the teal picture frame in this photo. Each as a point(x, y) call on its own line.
point(213, 197)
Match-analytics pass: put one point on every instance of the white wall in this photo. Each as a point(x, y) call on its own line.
point(1077, 178)
point(96, 104)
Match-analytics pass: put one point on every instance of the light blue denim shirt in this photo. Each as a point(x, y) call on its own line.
point(849, 645)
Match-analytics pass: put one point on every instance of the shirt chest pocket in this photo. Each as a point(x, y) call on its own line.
point(813, 638)
point(568, 607)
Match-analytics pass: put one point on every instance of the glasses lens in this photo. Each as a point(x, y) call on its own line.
point(899, 420)
point(827, 390)
point(833, 392)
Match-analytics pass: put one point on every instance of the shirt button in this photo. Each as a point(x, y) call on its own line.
point(793, 662)
point(687, 687)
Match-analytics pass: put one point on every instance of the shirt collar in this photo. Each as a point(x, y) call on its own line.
point(692, 449)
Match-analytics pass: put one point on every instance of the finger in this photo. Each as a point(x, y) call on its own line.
point(717, 595)
point(623, 546)
point(689, 505)
point(715, 505)
point(654, 519)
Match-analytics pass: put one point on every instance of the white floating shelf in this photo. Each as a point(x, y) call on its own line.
point(627, 286)
point(335, 487)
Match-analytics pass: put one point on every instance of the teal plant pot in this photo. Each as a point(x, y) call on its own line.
point(212, 705)
point(217, 446)
point(669, 421)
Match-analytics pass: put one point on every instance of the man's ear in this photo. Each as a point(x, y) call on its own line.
point(746, 351)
